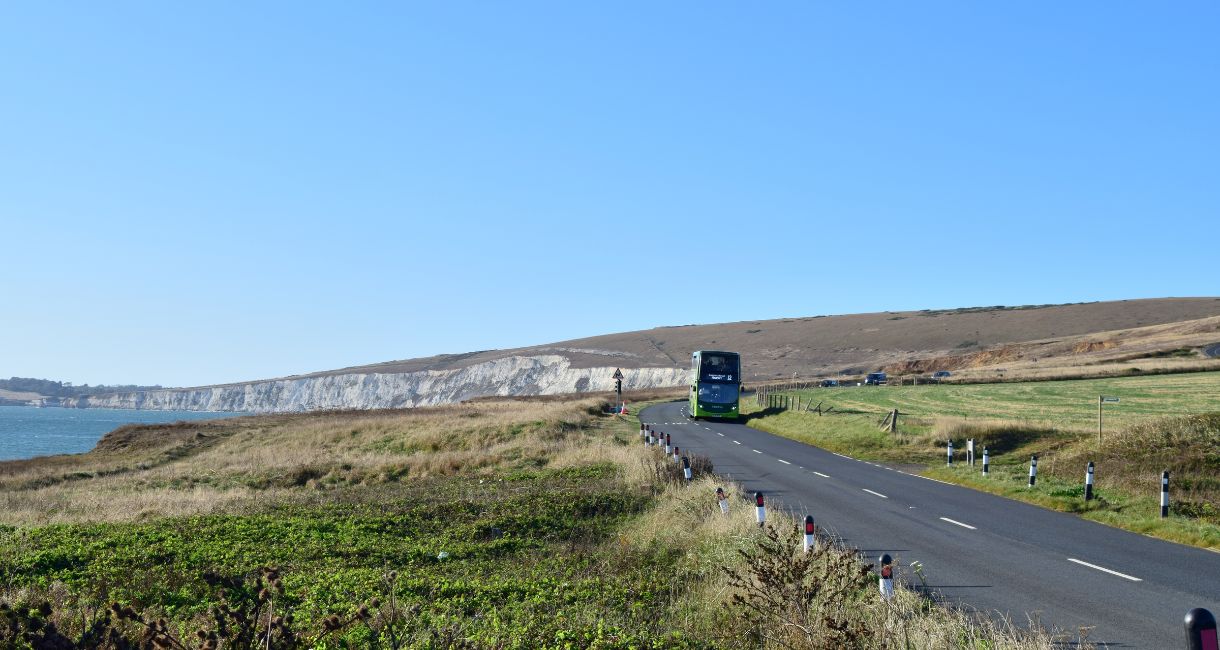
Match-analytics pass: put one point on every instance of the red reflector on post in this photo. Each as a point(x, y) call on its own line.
point(809, 525)
point(758, 499)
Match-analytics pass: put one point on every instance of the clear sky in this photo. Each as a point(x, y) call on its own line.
point(206, 192)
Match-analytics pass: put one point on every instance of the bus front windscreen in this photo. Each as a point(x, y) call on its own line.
point(719, 367)
point(718, 393)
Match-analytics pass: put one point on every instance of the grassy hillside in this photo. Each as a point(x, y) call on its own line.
point(1161, 422)
point(489, 525)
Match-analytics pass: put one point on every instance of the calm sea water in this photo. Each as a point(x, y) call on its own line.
point(26, 432)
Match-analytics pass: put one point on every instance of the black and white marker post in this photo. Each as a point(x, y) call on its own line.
point(643, 430)
point(723, 501)
point(887, 576)
point(686, 469)
point(950, 454)
point(1088, 483)
point(1201, 630)
point(760, 509)
point(970, 452)
point(668, 449)
point(1033, 470)
point(1164, 494)
point(808, 532)
point(986, 461)
point(676, 454)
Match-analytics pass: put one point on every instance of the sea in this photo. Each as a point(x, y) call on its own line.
point(26, 431)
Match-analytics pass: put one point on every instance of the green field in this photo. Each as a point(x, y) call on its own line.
point(1160, 422)
point(1067, 405)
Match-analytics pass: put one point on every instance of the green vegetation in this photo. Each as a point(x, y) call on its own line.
point(50, 388)
point(1163, 422)
point(509, 524)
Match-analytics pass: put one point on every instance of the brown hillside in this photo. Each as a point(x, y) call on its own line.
point(825, 345)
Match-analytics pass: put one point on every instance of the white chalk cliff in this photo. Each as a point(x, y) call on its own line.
point(513, 375)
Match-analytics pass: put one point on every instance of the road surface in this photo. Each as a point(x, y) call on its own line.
point(991, 553)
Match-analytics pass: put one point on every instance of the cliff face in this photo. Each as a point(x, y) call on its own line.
point(514, 375)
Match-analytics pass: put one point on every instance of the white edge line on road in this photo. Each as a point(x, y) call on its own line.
point(926, 478)
point(876, 493)
point(821, 474)
point(783, 461)
point(1102, 568)
point(842, 456)
point(958, 523)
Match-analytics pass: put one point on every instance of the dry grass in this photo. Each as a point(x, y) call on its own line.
point(245, 463)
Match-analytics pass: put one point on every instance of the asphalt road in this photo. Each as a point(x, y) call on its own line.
point(988, 552)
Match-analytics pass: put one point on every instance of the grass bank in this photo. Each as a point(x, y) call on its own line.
point(496, 524)
point(1160, 423)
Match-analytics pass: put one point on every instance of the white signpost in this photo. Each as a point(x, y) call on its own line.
point(1102, 399)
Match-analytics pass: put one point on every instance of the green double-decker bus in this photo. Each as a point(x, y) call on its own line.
point(715, 389)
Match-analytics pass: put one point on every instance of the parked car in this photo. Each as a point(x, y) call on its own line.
point(940, 374)
point(829, 383)
point(875, 379)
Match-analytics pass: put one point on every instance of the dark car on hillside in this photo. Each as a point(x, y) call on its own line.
point(829, 383)
point(875, 379)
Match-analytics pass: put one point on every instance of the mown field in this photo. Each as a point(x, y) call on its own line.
point(512, 524)
point(1064, 405)
point(1165, 422)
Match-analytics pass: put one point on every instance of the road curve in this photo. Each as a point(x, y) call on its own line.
point(991, 553)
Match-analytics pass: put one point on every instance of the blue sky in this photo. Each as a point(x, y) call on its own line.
point(208, 192)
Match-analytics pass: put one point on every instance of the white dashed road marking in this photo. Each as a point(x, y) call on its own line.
point(736, 443)
point(875, 493)
point(821, 474)
point(1102, 568)
point(756, 451)
point(958, 523)
point(783, 461)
